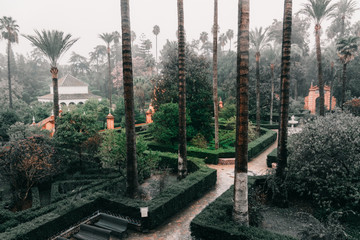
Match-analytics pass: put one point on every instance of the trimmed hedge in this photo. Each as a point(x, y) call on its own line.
point(215, 222)
point(56, 217)
point(271, 158)
point(212, 156)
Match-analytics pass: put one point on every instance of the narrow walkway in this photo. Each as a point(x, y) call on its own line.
point(178, 226)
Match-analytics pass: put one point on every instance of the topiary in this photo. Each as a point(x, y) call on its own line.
point(324, 161)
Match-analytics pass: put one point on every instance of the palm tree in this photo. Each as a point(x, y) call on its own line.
point(296, 54)
point(240, 208)
point(10, 31)
point(117, 38)
point(281, 195)
point(230, 35)
point(156, 32)
point(133, 38)
point(131, 168)
point(259, 39)
point(222, 40)
point(331, 56)
point(53, 44)
point(108, 38)
point(317, 11)
point(273, 56)
point(347, 50)
point(182, 160)
point(215, 77)
point(204, 37)
point(344, 9)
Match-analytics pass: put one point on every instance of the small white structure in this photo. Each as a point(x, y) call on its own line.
point(71, 91)
point(293, 130)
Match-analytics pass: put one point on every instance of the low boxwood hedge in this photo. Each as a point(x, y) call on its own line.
point(215, 222)
point(271, 158)
point(48, 221)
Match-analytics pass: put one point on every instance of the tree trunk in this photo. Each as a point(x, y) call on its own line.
point(9, 74)
point(280, 196)
point(343, 91)
point(272, 92)
point(331, 84)
point(54, 71)
point(215, 75)
point(320, 74)
point(131, 167)
point(240, 208)
point(109, 83)
point(182, 158)
point(257, 56)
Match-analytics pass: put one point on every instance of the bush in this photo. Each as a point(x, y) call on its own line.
point(324, 161)
point(199, 141)
point(112, 153)
point(165, 127)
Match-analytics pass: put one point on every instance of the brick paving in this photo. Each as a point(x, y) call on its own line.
point(178, 226)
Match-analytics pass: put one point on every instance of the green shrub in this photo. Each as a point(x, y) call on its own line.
point(199, 141)
point(324, 161)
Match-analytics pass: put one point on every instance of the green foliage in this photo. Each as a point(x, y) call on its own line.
point(165, 127)
point(199, 141)
point(324, 161)
point(198, 87)
point(228, 111)
point(112, 153)
point(215, 222)
point(7, 118)
point(19, 131)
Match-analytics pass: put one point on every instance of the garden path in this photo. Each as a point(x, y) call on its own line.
point(178, 226)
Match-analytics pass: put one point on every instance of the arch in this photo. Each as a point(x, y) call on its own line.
point(312, 99)
point(63, 104)
point(80, 103)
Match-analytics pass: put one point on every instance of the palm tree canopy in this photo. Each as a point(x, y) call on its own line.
point(117, 37)
point(272, 53)
point(318, 10)
point(9, 29)
point(204, 36)
point(347, 49)
point(156, 30)
point(344, 9)
point(259, 38)
point(230, 34)
point(223, 39)
point(52, 43)
point(107, 37)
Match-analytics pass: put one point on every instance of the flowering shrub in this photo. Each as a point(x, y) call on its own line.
point(324, 161)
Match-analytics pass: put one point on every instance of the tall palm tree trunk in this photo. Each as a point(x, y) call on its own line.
point(281, 195)
point(54, 72)
point(272, 92)
point(182, 158)
point(320, 74)
point(343, 86)
point(240, 208)
point(215, 77)
point(131, 167)
point(331, 84)
point(257, 56)
point(109, 81)
point(9, 74)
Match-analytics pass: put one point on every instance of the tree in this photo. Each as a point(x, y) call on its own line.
point(131, 166)
point(108, 38)
point(182, 155)
point(53, 44)
point(215, 76)
point(74, 129)
point(240, 209)
point(222, 41)
point(230, 35)
point(343, 11)
point(79, 64)
point(317, 11)
point(259, 39)
point(25, 163)
point(280, 196)
point(156, 31)
point(273, 56)
point(347, 50)
point(10, 31)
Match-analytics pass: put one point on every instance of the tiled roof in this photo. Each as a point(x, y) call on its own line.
point(70, 96)
point(70, 81)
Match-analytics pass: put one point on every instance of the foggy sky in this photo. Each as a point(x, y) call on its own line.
point(85, 19)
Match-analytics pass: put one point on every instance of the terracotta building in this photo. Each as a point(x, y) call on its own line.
point(313, 97)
